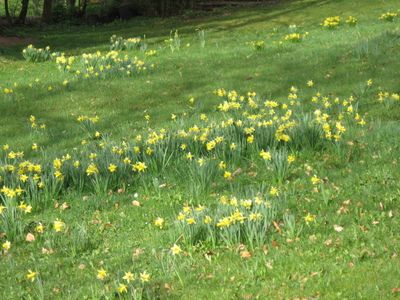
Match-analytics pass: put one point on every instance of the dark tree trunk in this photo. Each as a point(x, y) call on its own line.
point(8, 17)
point(47, 14)
point(83, 9)
point(23, 12)
point(71, 8)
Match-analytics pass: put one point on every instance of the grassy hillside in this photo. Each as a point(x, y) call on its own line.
point(260, 164)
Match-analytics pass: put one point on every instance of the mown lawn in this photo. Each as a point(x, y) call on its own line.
point(332, 222)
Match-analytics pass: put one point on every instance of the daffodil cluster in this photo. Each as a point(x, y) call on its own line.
point(101, 65)
point(119, 44)
point(331, 22)
point(352, 21)
point(388, 16)
point(231, 221)
point(33, 54)
point(258, 45)
point(294, 37)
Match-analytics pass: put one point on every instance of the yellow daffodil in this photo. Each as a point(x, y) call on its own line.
point(175, 250)
point(101, 274)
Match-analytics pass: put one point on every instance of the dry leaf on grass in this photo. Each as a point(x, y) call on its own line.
point(30, 237)
point(135, 203)
point(338, 228)
point(245, 254)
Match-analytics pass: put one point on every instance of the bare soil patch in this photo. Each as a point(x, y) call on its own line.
point(10, 41)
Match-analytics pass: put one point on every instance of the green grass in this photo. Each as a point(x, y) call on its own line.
point(360, 193)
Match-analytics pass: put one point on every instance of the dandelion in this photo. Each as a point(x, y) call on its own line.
point(101, 274)
point(175, 249)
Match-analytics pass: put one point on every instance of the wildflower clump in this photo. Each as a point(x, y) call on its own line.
point(232, 221)
point(352, 21)
point(388, 17)
point(101, 65)
point(258, 45)
point(33, 54)
point(119, 44)
point(331, 22)
point(294, 37)
point(174, 41)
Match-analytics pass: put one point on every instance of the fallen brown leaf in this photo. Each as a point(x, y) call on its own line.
point(64, 206)
point(338, 228)
point(277, 227)
point(245, 254)
point(30, 237)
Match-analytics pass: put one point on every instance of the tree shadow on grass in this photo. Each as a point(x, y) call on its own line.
point(70, 39)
